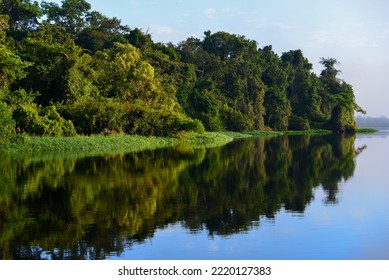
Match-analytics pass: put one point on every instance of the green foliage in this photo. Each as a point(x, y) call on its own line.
point(35, 120)
point(234, 120)
point(52, 53)
point(298, 123)
point(342, 120)
point(23, 16)
point(366, 130)
point(70, 16)
point(106, 78)
point(339, 99)
point(7, 123)
point(12, 67)
point(146, 121)
point(94, 116)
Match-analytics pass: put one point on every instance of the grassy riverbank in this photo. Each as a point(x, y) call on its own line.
point(99, 144)
point(366, 130)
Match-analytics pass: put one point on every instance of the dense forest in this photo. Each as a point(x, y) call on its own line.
point(66, 70)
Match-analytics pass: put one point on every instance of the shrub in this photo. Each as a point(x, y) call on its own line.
point(33, 120)
point(55, 124)
point(7, 124)
point(94, 116)
point(234, 120)
point(28, 119)
point(298, 123)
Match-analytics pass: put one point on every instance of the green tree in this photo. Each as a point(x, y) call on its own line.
point(52, 52)
point(100, 32)
point(23, 16)
point(12, 67)
point(303, 90)
point(233, 64)
point(118, 90)
point(338, 98)
point(71, 15)
point(275, 77)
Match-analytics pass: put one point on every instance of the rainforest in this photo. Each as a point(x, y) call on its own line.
point(68, 70)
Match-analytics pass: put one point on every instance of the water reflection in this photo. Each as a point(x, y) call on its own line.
point(88, 208)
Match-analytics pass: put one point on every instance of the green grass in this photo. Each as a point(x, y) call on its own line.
point(308, 132)
point(99, 144)
point(366, 130)
point(89, 144)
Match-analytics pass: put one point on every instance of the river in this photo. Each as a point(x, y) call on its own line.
point(284, 197)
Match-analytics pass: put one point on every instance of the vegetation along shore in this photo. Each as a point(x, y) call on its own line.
point(67, 70)
point(120, 143)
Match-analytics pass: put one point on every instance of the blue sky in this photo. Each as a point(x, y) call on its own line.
point(355, 32)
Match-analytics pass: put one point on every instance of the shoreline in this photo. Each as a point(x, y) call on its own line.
point(101, 144)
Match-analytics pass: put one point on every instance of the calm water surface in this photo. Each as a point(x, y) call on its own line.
point(296, 197)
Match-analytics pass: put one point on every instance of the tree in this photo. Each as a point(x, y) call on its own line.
point(23, 16)
point(338, 97)
point(52, 52)
point(303, 89)
point(100, 32)
point(117, 90)
point(233, 64)
point(71, 15)
point(12, 67)
point(277, 105)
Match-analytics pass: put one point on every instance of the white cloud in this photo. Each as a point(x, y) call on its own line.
point(162, 30)
point(209, 13)
point(164, 33)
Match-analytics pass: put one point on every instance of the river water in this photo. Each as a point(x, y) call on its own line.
point(285, 197)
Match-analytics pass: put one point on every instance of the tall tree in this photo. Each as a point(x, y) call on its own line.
point(71, 15)
point(23, 14)
point(275, 77)
point(338, 98)
point(100, 32)
point(303, 88)
point(52, 52)
point(12, 67)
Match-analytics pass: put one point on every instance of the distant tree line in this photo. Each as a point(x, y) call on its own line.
point(372, 122)
point(66, 69)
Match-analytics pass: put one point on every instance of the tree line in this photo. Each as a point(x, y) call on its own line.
point(67, 69)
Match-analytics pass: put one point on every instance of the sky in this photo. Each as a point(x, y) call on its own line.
point(355, 32)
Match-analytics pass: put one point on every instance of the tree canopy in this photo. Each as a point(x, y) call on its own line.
point(67, 69)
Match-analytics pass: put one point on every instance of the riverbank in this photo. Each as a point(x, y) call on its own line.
point(366, 130)
point(100, 144)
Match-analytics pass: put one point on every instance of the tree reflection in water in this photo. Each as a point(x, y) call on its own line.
point(90, 207)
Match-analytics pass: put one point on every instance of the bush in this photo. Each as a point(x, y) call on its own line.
point(95, 116)
point(55, 125)
point(177, 123)
point(33, 120)
point(298, 123)
point(235, 120)
point(146, 121)
point(342, 120)
point(28, 119)
point(7, 124)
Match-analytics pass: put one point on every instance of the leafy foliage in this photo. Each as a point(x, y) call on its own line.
point(78, 69)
